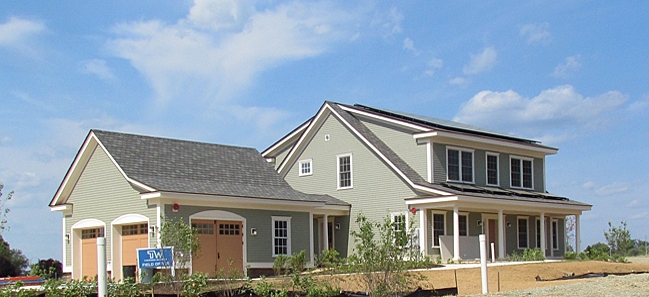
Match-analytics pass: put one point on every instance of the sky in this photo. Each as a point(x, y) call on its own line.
point(567, 73)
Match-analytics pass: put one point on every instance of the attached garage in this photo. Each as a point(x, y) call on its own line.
point(221, 247)
point(133, 237)
point(89, 251)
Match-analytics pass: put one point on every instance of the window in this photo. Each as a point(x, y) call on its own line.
point(521, 170)
point(135, 229)
point(345, 171)
point(306, 167)
point(438, 227)
point(229, 229)
point(92, 233)
point(400, 226)
point(464, 226)
point(555, 234)
point(492, 169)
point(460, 165)
point(203, 228)
point(281, 236)
point(522, 233)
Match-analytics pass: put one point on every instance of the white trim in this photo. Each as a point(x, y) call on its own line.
point(497, 155)
point(121, 171)
point(224, 216)
point(66, 209)
point(468, 225)
point(302, 138)
point(288, 234)
point(521, 159)
point(552, 221)
point(429, 161)
point(490, 140)
point(386, 119)
point(432, 227)
point(80, 155)
point(281, 143)
point(460, 151)
point(116, 242)
point(158, 223)
point(497, 203)
point(299, 167)
point(130, 219)
point(311, 243)
point(260, 265)
point(88, 223)
point(527, 232)
point(351, 171)
point(75, 241)
point(65, 242)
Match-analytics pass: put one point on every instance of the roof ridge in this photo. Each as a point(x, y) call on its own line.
point(170, 139)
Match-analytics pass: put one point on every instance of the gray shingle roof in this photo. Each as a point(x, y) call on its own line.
point(182, 166)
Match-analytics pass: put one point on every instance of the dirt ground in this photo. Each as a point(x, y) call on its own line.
point(518, 277)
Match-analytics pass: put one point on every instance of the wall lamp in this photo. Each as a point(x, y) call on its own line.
point(479, 222)
point(253, 231)
point(152, 229)
point(509, 224)
point(67, 238)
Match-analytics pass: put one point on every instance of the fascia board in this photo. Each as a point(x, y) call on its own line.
point(283, 142)
point(499, 203)
point(121, 171)
point(385, 119)
point(227, 199)
point(64, 208)
point(432, 134)
point(80, 161)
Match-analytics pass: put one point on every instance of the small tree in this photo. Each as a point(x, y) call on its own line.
point(4, 210)
point(571, 224)
point(12, 261)
point(183, 238)
point(618, 238)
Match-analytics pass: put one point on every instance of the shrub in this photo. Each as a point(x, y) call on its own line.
point(15, 290)
point(127, 288)
point(194, 284)
point(534, 254)
point(571, 255)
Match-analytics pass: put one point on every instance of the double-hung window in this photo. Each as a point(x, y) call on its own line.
point(492, 169)
point(521, 172)
point(438, 227)
point(522, 233)
point(345, 171)
point(459, 165)
point(399, 225)
point(305, 167)
point(281, 236)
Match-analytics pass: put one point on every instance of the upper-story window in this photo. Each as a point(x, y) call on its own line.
point(306, 167)
point(521, 171)
point(460, 165)
point(492, 169)
point(345, 171)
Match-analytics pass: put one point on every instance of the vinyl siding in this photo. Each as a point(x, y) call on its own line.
point(377, 190)
point(280, 156)
point(102, 193)
point(259, 248)
point(402, 143)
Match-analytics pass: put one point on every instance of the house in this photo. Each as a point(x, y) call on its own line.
point(450, 180)
point(122, 186)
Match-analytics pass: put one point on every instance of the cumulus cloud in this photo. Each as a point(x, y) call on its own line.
point(409, 45)
point(432, 65)
point(568, 68)
point(458, 81)
point(536, 33)
point(220, 47)
point(99, 68)
point(481, 62)
point(15, 31)
point(390, 23)
point(554, 115)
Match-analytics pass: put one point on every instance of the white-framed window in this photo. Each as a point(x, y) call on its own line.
point(439, 223)
point(400, 225)
point(464, 224)
point(344, 168)
point(459, 165)
point(281, 236)
point(555, 234)
point(521, 172)
point(523, 232)
point(305, 167)
point(492, 169)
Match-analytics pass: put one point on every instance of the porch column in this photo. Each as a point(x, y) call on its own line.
point(501, 237)
point(325, 233)
point(577, 237)
point(456, 233)
point(542, 223)
point(423, 235)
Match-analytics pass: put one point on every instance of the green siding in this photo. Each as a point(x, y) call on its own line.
point(280, 157)
point(101, 188)
point(439, 162)
point(377, 190)
point(259, 248)
point(402, 143)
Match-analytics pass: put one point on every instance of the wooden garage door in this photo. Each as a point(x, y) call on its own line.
point(221, 246)
point(133, 238)
point(89, 251)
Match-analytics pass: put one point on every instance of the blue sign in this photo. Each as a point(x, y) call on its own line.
point(155, 258)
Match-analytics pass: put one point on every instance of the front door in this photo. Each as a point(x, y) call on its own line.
point(221, 247)
point(492, 235)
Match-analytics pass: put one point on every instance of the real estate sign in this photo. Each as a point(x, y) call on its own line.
point(155, 258)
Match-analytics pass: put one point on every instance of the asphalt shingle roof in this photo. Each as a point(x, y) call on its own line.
point(182, 166)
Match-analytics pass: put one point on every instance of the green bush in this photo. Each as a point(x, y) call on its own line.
point(534, 254)
point(15, 290)
point(127, 288)
point(571, 255)
point(194, 285)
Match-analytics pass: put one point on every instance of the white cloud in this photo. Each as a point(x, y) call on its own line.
point(481, 62)
point(554, 115)
point(614, 188)
point(99, 68)
point(641, 215)
point(205, 58)
point(409, 45)
point(567, 69)
point(536, 33)
point(458, 81)
point(432, 66)
point(16, 31)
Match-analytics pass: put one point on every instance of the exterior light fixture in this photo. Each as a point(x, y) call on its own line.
point(253, 231)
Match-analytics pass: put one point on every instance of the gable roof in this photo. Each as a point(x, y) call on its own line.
point(345, 114)
point(170, 165)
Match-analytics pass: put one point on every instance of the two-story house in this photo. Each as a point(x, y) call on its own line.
point(453, 181)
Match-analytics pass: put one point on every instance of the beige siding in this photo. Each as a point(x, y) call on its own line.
point(377, 190)
point(102, 193)
point(280, 156)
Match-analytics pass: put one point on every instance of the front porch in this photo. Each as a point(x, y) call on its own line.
point(449, 226)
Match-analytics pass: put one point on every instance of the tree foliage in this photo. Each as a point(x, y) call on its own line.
point(183, 238)
point(4, 210)
point(12, 261)
point(619, 238)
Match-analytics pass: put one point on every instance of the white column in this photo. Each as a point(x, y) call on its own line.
point(325, 233)
point(577, 237)
point(456, 233)
point(501, 235)
point(542, 223)
point(423, 235)
point(483, 263)
point(101, 267)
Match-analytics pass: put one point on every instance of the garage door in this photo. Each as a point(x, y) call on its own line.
point(89, 251)
point(221, 246)
point(133, 237)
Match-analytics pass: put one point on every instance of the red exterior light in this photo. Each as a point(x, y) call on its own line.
point(413, 210)
point(176, 207)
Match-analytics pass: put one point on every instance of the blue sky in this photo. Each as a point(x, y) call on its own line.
point(568, 73)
